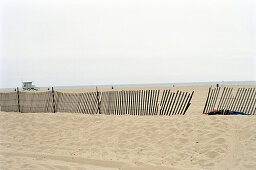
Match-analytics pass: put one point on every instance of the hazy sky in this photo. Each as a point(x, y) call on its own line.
point(81, 42)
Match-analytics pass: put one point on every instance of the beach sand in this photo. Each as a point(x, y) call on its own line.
point(81, 141)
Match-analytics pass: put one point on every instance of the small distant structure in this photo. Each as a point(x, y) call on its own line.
point(29, 86)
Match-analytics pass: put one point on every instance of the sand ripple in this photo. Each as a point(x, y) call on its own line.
point(75, 141)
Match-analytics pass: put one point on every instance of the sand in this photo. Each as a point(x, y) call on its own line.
point(80, 141)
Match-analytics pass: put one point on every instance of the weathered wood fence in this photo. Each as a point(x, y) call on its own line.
point(175, 103)
point(141, 102)
point(9, 102)
point(241, 100)
point(134, 102)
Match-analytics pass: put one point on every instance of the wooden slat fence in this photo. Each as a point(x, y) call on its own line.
point(36, 102)
point(174, 103)
point(133, 102)
point(77, 102)
point(9, 102)
point(243, 100)
point(140, 102)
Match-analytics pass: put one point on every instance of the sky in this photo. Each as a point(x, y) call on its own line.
point(98, 42)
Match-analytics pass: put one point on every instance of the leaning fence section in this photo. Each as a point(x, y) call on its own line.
point(175, 103)
point(77, 102)
point(227, 100)
point(211, 99)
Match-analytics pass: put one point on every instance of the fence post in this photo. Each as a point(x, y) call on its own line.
point(53, 101)
point(98, 99)
point(18, 97)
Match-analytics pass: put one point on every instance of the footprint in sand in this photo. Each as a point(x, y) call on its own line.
point(213, 135)
point(219, 141)
point(212, 154)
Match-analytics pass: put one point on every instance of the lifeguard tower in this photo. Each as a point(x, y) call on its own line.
point(29, 86)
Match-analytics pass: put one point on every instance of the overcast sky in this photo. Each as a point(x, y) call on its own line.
point(96, 42)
